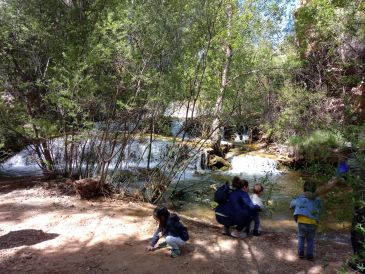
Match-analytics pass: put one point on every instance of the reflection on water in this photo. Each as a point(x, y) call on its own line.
point(286, 187)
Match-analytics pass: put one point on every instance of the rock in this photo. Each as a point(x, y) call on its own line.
point(217, 162)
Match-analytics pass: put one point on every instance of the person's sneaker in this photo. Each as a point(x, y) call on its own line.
point(226, 231)
point(256, 233)
point(175, 253)
point(301, 256)
point(239, 234)
point(310, 258)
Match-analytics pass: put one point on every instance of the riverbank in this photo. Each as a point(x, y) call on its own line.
point(45, 231)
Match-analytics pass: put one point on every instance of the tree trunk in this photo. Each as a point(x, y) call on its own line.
point(152, 130)
point(216, 136)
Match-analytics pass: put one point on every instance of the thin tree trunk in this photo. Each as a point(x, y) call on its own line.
point(150, 145)
point(216, 136)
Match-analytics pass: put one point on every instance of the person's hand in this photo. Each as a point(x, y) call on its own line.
point(150, 248)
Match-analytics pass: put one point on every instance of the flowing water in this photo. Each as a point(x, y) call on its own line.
point(195, 187)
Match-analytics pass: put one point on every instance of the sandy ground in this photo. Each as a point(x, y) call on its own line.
point(43, 231)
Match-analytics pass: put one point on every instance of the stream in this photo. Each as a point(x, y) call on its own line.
point(281, 185)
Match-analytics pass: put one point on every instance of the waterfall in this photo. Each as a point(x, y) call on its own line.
point(241, 138)
point(253, 165)
point(135, 155)
point(21, 164)
point(176, 129)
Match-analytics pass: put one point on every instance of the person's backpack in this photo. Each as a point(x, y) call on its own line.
point(177, 228)
point(222, 193)
point(184, 235)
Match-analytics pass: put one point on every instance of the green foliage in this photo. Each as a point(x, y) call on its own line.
point(301, 112)
point(318, 145)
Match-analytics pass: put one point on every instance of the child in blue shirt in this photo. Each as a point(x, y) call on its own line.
point(307, 208)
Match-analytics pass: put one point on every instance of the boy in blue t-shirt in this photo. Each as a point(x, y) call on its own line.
point(307, 208)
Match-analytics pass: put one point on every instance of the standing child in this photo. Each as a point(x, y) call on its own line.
point(258, 190)
point(307, 208)
point(170, 227)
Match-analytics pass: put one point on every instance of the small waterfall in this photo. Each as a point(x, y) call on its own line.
point(135, 155)
point(241, 134)
point(253, 165)
point(176, 129)
point(235, 134)
point(241, 138)
point(21, 164)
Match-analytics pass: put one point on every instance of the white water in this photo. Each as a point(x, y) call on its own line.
point(253, 165)
point(136, 156)
point(180, 110)
point(243, 138)
point(176, 128)
point(21, 164)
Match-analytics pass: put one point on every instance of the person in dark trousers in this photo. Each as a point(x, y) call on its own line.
point(352, 169)
point(307, 208)
point(170, 227)
point(353, 166)
point(237, 211)
point(258, 191)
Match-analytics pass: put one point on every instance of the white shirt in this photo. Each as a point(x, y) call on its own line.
point(257, 200)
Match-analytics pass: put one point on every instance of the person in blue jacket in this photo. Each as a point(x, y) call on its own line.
point(170, 227)
point(238, 210)
point(307, 207)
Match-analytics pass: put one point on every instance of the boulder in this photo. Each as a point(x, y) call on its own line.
point(217, 162)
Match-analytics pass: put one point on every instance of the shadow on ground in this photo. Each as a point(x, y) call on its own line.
point(67, 235)
point(25, 237)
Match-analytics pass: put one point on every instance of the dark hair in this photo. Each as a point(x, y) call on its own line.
point(258, 188)
point(238, 183)
point(161, 214)
point(309, 187)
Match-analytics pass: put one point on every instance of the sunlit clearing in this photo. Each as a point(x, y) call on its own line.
point(287, 255)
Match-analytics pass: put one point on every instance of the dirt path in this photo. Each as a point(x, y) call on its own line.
point(44, 232)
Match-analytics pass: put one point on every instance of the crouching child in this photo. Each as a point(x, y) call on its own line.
point(169, 227)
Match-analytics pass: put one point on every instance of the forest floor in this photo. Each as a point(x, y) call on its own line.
point(43, 230)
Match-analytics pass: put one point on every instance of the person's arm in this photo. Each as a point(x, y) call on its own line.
point(154, 240)
point(293, 203)
point(334, 182)
point(247, 201)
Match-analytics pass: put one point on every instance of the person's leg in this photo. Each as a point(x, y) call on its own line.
point(358, 238)
point(175, 243)
point(301, 240)
point(226, 230)
point(248, 228)
point(256, 222)
point(256, 227)
point(239, 232)
point(357, 242)
point(310, 234)
point(226, 222)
